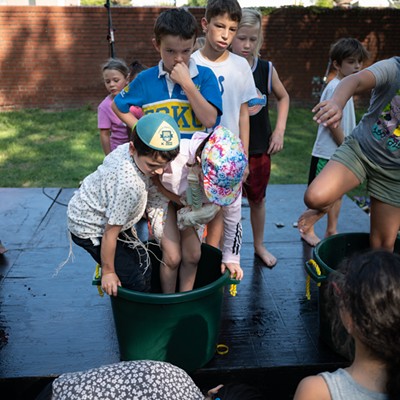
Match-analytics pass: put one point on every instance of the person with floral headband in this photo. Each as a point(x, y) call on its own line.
point(205, 177)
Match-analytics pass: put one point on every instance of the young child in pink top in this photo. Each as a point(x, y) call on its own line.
point(113, 131)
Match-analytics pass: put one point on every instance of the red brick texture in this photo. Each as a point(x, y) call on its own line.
point(51, 56)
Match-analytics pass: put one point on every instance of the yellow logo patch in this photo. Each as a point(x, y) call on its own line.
point(165, 137)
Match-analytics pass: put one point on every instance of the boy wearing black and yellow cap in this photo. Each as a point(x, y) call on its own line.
point(111, 200)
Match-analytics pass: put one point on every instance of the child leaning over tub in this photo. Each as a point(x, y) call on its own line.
point(111, 200)
point(206, 175)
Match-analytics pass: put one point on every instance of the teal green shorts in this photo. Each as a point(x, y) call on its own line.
point(382, 184)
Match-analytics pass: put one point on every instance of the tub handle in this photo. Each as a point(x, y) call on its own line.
point(97, 280)
point(314, 271)
point(233, 286)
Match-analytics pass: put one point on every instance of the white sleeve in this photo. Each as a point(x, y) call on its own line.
point(232, 232)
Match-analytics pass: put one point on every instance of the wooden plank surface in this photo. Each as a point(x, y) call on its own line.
point(51, 324)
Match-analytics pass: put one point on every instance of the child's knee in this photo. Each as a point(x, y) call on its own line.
point(192, 257)
point(314, 199)
point(172, 261)
point(257, 205)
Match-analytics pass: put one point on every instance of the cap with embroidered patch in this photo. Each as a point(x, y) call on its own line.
point(223, 162)
point(159, 131)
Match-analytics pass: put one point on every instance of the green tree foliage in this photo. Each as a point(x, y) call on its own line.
point(395, 3)
point(196, 3)
point(324, 3)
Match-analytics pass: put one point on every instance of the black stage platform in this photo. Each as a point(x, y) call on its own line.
point(51, 325)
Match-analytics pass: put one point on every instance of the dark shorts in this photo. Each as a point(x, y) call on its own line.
point(260, 170)
point(316, 166)
point(132, 264)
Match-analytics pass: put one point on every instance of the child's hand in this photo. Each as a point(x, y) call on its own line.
point(110, 283)
point(235, 270)
point(180, 73)
point(328, 113)
point(213, 392)
point(276, 142)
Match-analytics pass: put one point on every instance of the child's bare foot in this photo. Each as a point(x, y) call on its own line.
point(308, 219)
point(265, 256)
point(2, 248)
point(330, 233)
point(310, 238)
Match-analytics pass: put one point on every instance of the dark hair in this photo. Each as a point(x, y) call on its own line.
point(367, 286)
point(116, 64)
point(238, 391)
point(347, 47)
point(215, 8)
point(135, 68)
point(199, 150)
point(144, 150)
point(176, 22)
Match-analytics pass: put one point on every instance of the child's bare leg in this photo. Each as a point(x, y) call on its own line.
point(171, 248)
point(330, 185)
point(309, 236)
point(385, 223)
point(257, 218)
point(215, 229)
point(308, 219)
point(333, 217)
point(191, 252)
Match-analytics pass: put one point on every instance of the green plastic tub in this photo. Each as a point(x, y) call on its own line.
point(328, 254)
point(181, 328)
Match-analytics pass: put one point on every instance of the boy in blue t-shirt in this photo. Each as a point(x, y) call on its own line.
point(176, 86)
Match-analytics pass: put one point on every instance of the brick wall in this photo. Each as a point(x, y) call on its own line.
point(51, 56)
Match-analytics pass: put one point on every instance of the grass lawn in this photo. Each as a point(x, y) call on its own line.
point(58, 149)
point(48, 149)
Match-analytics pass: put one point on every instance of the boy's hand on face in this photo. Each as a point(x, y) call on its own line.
point(180, 73)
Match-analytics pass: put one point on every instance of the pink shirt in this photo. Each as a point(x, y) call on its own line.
point(107, 119)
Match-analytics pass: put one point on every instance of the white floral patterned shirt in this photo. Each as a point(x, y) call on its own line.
point(116, 193)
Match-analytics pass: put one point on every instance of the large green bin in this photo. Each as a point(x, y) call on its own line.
point(181, 328)
point(328, 254)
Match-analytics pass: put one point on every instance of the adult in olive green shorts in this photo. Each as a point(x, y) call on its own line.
point(371, 153)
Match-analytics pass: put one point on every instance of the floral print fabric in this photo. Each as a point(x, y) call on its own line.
point(133, 380)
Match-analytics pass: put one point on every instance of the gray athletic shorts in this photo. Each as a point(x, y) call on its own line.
point(382, 184)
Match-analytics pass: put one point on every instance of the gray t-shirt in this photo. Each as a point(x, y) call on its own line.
point(343, 387)
point(378, 132)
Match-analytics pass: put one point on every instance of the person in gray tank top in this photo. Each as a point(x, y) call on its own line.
point(363, 296)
